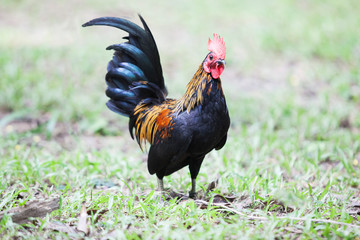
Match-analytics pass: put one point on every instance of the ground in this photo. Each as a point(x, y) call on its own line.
point(290, 168)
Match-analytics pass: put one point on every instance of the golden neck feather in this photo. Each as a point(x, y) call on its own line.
point(194, 92)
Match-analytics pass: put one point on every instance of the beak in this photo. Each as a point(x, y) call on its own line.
point(221, 62)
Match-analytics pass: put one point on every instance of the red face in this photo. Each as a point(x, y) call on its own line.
point(214, 65)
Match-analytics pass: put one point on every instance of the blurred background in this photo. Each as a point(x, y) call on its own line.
point(291, 64)
point(292, 83)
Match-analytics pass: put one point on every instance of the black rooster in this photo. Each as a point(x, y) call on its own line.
point(181, 132)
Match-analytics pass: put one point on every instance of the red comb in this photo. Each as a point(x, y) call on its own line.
point(217, 46)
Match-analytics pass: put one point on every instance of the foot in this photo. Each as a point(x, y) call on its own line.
point(192, 195)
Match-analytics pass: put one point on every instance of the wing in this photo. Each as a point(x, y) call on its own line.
point(221, 143)
point(169, 155)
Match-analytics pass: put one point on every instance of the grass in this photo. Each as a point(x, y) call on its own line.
point(290, 168)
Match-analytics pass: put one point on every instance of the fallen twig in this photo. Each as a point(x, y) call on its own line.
point(33, 209)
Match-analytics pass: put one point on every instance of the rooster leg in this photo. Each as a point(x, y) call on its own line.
point(161, 185)
point(194, 167)
point(192, 193)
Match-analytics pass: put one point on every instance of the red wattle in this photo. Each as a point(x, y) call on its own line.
point(216, 72)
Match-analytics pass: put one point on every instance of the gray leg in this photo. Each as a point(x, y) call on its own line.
point(194, 168)
point(192, 193)
point(161, 185)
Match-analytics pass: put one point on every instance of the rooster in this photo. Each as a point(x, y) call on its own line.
point(180, 131)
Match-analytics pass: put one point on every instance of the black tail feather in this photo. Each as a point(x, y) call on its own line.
point(118, 108)
point(142, 40)
point(120, 77)
point(134, 73)
point(136, 56)
point(139, 74)
point(119, 94)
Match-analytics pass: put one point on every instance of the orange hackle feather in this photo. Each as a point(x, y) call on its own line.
point(153, 119)
point(217, 46)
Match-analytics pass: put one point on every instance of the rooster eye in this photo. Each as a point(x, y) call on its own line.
point(211, 57)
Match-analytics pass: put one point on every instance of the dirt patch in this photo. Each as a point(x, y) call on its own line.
point(329, 164)
point(44, 133)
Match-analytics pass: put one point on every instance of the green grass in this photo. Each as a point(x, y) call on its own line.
point(292, 83)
